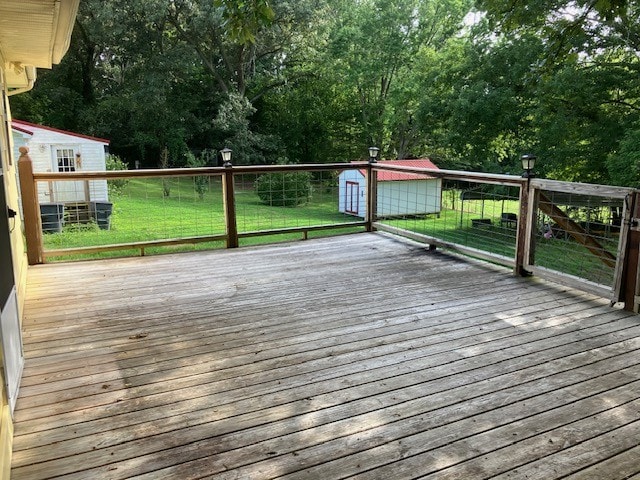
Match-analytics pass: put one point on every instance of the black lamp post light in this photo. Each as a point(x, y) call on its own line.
point(226, 157)
point(528, 162)
point(373, 154)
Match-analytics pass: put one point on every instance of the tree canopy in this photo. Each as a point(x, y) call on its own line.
point(472, 85)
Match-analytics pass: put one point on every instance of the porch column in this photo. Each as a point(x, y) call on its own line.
point(30, 208)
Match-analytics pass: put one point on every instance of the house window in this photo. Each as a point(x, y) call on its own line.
point(66, 160)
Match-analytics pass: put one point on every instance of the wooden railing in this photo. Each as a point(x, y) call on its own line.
point(31, 208)
point(532, 199)
point(518, 262)
point(546, 194)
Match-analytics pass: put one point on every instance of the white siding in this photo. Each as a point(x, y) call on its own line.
point(409, 197)
point(354, 176)
point(403, 197)
point(42, 145)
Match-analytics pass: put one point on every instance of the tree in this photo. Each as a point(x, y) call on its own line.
point(586, 89)
point(477, 100)
point(321, 80)
point(623, 164)
point(373, 49)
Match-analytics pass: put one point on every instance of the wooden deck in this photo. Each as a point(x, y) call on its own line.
point(357, 356)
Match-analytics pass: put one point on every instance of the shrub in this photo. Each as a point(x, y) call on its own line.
point(284, 189)
point(115, 187)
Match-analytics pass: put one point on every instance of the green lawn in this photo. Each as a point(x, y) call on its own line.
point(560, 254)
point(141, 212)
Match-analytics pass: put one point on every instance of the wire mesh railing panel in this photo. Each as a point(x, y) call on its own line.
point(578, 235)
point(128, 211)
point(478, 214)
point(274, 201)
point(473, 215)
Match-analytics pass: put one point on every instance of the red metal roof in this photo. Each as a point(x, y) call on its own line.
point(23, 127)
point(386, 176)
point(20, 129)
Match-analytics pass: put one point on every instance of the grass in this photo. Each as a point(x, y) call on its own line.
point(143, 213)
point(560, 254)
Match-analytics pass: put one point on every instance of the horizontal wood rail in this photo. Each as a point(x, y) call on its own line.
point(303, 230)
point(489, 178)
point(193, 172)
point(582, 189)
point(141, 246)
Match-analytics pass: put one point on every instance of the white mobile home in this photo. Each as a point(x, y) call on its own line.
point(398, 193)
point(54, 150)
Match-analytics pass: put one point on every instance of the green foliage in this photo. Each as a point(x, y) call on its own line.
point(321, 80)
point(284, 189)
point(373, 51)
point(112, 163)
point(233, 121)
point(624, 164)
point(244, 19)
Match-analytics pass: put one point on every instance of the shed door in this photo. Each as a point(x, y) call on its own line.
point(67, 159)
point(12, 356)
point(352, 200)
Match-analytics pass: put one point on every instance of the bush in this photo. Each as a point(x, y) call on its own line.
point(115, 187)
point(284, 189)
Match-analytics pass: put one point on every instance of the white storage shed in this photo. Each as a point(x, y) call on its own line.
point(398, 193)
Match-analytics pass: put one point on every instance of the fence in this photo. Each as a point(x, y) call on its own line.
point(475, 214)
point(580, 230)
point(154, 210)
point(572, 233)
point(575, 233)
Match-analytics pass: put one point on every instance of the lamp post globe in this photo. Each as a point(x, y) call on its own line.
point(528, 163)
point(226, 157)
point(373, 154)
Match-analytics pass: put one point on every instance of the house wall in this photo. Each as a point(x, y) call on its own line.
point(18, 254)
point(41, 150)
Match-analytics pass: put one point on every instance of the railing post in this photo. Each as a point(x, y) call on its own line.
point(372, 195)
point(229, 206)
point(534, 201)
point(630, 288)
point(526, 235)
point(524, 219)
point(30, 208)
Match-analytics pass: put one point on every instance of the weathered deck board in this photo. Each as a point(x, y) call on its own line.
point(361, 355)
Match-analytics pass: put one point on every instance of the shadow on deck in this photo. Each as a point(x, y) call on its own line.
point(361, 355)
